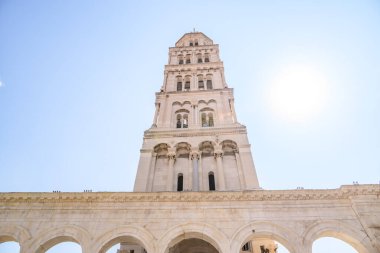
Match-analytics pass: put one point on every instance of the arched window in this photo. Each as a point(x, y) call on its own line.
point(196, 42)
point(201, 84)
point(191, 43)
point(180, 183)
point(204, 120)
point(185, 121)
point(187, 58)
point(199, 57)
point(210, 119)
point(187, 83)
point(209, 82)
point(207, 58)
point(207, 117)
point(211, 181)
point(179, 83)
point(182, 118)
point(180, 59)
point(179, 121)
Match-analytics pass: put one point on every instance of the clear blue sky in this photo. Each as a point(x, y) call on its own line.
point(78, 81)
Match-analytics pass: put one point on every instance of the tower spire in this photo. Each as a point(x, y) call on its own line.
point(196, 143)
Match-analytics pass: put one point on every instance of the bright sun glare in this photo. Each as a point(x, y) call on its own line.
point(298, 92)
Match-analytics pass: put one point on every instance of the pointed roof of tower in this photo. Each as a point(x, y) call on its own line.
point(192, 36)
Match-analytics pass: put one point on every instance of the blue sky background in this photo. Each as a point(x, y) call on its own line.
point(78, 81)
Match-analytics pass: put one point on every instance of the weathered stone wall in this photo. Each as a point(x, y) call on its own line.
point(157, 221)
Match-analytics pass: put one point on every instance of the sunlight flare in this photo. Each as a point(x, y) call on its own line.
point(298, 92)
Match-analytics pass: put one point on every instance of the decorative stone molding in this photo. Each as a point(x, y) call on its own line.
point(344, 192)
point(218, 154)
point(194, 155)
point(171, 156)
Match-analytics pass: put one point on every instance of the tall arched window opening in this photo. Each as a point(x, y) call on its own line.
point(211, 181)
point(204, 120)
point(196, 42)
point(210, 120)
point(182, 119)
point(207, 117)
point(180, 59)
point(207, 58)
point(191, 43)
point(179, 121)
point(201, 84)
point(188, 59)
point(179, 83)
point(185, 121)
point(180, 183)
point(187, 83)
point(199, 58)
point(209, 82)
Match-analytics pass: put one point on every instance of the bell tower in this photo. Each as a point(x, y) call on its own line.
point(195, 142)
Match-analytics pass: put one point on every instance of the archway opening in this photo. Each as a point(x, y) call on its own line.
point(123, 244)
point(71, 247)
point(331, 244)
point(263, 245)
point(193, 245)
point(9, 246)
point(60, 244)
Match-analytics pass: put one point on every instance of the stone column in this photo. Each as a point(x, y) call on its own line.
point(153, 160)
point(196, 116)
point(233, 110)
point(195, 158)
point(221, 186)
point(193, 115)
point(188, 180)
point(156, 115)
point(302, 246)
point(240, 170)
point(169, 186)
point(200, 170)
point(193, 85)
point(164, 120)
point(164, 85)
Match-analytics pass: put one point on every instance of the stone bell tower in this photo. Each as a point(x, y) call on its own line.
point(195, 142)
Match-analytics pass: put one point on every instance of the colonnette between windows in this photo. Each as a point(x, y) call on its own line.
point(204, 82)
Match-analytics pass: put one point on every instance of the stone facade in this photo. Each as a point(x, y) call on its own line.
point(157, 221)
point(196, 189)
point(195, 136)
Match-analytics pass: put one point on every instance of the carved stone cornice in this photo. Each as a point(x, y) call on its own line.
point(345, 192)
point(192, 132)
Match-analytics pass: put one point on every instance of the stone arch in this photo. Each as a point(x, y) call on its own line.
point(161, 149)
point(14, 233)
point(229, 146)
point(176, 103)
point(70, 233)
point(264, 230)
point(211, 101)
point(202, 102)
point(207, 147)
point(339, 230)
point(183, 148)
point(201, 231)
point(206, 109)
point(132, 234)
point(182, 111)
